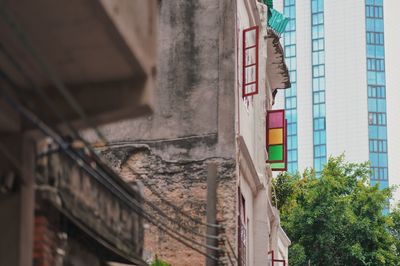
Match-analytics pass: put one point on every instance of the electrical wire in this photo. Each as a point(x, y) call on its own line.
point(57, 82)
point(76, 135)
point(173, 206)
point(48, 102)
point(14, 161)
point(32, 85)
point(226, 240)
point(153, 191)
point(230, 259)
point(162, 213)
point(135, 259)
point(12, 84)
point(63, 90)
point(139, 261)
point(103, 180)
point(18, 32)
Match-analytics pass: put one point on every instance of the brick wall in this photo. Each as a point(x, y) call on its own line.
point(45, 239)
point(182, 182)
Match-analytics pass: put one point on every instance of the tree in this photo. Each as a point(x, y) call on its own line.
point(337, 218)
point(395, 227)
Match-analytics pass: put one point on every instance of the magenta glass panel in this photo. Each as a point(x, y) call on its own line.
point(275, 119)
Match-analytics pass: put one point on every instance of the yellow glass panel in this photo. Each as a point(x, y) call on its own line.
point(275, 136)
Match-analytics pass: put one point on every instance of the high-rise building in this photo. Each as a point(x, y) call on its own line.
point(344, 66)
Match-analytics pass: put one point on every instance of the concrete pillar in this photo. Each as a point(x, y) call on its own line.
point(27, 203)
point(17, 207)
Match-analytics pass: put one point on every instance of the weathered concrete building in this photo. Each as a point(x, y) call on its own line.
point(73, 64)
point(201, 116)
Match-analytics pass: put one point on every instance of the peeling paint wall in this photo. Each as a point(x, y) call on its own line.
point(193, 124)
point(183, 183)
point(194, 96)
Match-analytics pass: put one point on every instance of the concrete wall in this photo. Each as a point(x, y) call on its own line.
point(346, 80)
point(192, 125)
point(392, 55)
point(194, 110)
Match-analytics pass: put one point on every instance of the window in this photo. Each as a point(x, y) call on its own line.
point(291, 93)
point(318, 84)
point(375, 38)
point(376, 64)
point(377, 120)
point(250, 61)
point(276, 139)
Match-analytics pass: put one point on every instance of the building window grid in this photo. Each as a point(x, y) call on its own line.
point(375, 38)
point(377, 118)
point(376, 92)
point(318, 87)
point(376, 64)
point(291, 93)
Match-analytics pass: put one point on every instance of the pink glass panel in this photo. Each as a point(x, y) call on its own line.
point(275, 119)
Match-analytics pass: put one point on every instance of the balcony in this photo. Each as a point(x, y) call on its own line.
point(103, 52)
point(89, 209)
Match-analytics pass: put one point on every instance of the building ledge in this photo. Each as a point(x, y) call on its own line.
point(247, 167)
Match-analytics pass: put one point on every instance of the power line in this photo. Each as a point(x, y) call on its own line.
point(102, 179)
point(49, 103)
point(57, 82)
point(59, 85)
point(135, 258)
point(18, 32)
point(11, 83)
point(153, 191)
point(226, 240)
point(14, 161)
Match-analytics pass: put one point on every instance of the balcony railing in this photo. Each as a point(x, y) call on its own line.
point(89, 204)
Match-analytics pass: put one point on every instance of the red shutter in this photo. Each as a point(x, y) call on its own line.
point(250, 61)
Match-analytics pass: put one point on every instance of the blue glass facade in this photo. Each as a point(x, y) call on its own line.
point(318, 84)
point(377, 129)
point(289, 10)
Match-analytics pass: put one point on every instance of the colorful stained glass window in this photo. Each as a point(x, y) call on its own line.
point(276, 139)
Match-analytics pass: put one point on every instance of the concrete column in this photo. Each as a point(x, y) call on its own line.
point(27, 202)
point(17, 207)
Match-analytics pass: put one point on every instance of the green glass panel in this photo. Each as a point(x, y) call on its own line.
point(277, 166)
point(275, 153)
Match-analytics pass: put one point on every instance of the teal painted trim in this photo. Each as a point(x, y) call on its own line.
point(277, 21)
point(269, 3)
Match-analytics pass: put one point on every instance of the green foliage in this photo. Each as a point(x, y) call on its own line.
point(337, 219)
point(395, 227)
point(158, 262)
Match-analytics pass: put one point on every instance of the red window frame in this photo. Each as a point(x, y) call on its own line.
point(242, 230)
point(245, 83)
point(273, 260)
